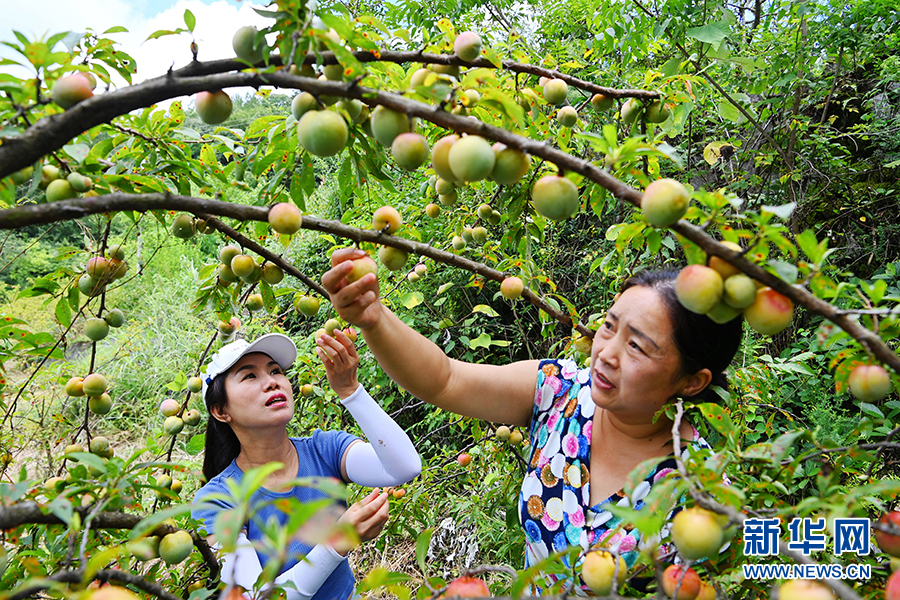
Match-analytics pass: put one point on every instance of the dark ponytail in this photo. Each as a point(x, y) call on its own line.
point(701, 342)
point(222, 445)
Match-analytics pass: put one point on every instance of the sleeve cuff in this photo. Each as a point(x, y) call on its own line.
point(358, 394)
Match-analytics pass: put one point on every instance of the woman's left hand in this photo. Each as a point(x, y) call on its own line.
point(339, 356)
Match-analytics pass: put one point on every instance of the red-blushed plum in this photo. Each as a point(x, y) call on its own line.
point(69, 90)
point(467, 46)
point(467, 587)
point(512, 288)
point(888, 542)
point(698, 288)
point(213, 107)
point(685, 581)
point(869, 383)
point(664, 202)
point(770, 312)
point(386, 219)
point(598, 570)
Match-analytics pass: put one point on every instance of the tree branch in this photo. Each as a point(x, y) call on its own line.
point(30, 513)
point(53, 132)
point(33, 214)
point(71, 209)
point(269, 256)
point(77, 576)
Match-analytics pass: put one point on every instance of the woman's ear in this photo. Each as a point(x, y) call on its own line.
point(697, 382)
point(220, 414)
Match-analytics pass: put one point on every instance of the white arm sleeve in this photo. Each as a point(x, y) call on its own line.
point(242, 568)
point(390, 457)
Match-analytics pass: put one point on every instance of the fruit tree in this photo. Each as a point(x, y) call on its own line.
point(506, 167)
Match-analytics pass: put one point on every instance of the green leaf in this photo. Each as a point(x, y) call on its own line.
point(711, 33)
point(482, 341)
point(195, 444)
point(62, 509)
point(189, 20)
point(163, 32)
point(116, 29)
point(785, 270)
point(63, 312)
point(871, 409)
point(157, 518)
point(718, 418)
point(412, 299)
point(77, 151)
point(671, 67)
point(729, 111)
point(811, 247)
point(782, 445)
point(422, 544)
point(91, 460)
point(485, 309)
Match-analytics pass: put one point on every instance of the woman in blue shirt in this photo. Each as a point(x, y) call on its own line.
point(250, 403)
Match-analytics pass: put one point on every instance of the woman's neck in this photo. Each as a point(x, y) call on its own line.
point(260, 448)
point(650, 438)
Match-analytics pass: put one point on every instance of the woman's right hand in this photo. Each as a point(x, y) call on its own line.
point(368, 516)
point(356, 302)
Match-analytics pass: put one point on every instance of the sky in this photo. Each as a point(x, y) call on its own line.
point(217, 20)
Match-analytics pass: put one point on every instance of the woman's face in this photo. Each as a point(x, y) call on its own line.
point(259, 394)
point(635, 367)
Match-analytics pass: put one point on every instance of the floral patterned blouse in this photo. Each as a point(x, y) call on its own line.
point(554, 504)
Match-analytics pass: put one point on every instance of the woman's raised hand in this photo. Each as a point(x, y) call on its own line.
point(356, 302)
point(339, 356)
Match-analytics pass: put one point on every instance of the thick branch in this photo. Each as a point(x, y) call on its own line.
point(328, 58)
point(77, 576)
point(29, 513)
point(53, 132)
point(70, 209)
point(33, 214)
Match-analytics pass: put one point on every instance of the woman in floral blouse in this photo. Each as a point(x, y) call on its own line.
point(590, 427)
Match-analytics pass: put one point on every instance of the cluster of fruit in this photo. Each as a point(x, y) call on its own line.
point(472, 235)
point(234, 266)
point(512, 436)
point(332, 325)
point(721, 292)
point(94, 386)
point(697, 533)
point(172, 548)
point(186, 226)
point(99, 271)
point(55, 186)
point(651, 112)
point(176, 415)
point(456, 160)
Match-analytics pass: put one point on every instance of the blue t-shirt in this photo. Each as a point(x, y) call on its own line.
point(319, 455)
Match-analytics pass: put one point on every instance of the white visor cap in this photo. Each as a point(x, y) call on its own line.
point(279, 346)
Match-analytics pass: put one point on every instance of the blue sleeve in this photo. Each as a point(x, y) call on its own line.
point(207, 514)
point(331, 445)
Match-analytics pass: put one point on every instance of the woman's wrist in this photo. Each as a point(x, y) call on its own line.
point(346, 392)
